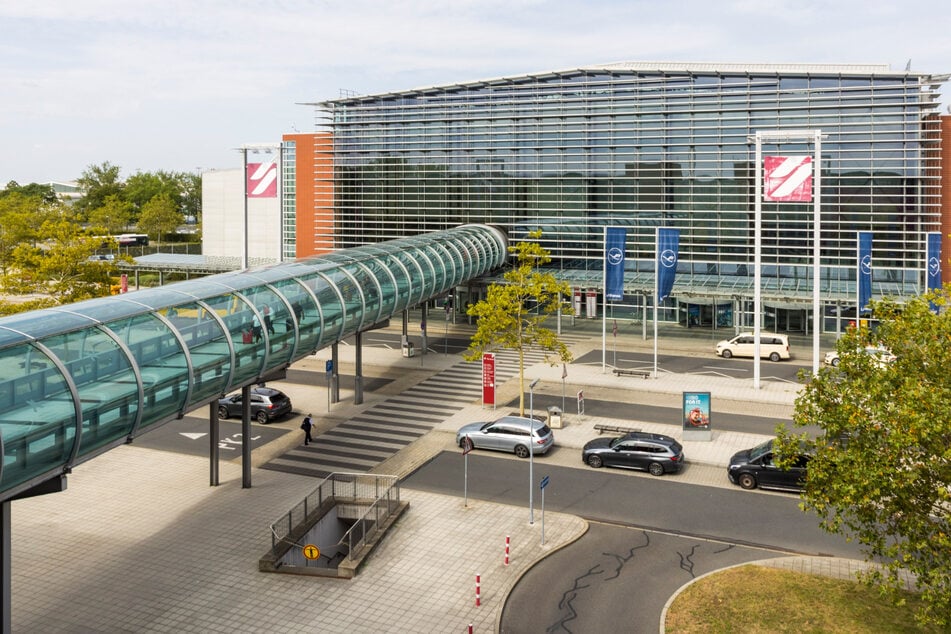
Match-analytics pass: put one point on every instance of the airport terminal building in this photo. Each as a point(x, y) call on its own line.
point(645, 145)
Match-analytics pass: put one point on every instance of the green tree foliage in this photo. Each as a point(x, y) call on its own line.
point(114, 216)
point(21, 217)
point(97, 183)
point(513, 314)
point(881, 472)
point(59, 265)
point(45, 193)
point(160, 216)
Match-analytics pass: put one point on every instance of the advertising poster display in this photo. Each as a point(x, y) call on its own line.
point(696, 416)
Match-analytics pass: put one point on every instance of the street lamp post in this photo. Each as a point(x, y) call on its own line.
point(531, 452)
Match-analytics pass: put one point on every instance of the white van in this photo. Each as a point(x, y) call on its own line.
point(771, 346)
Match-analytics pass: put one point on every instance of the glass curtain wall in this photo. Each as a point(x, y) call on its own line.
point(571, 152)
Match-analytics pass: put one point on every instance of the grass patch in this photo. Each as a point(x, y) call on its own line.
point(753, 599)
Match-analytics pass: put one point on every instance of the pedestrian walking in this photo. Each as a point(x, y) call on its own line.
point(307, 426)
point(267, 320)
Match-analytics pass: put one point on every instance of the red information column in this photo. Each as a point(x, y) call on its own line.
point(488, 379)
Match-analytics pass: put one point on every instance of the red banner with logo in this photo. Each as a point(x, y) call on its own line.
point(488, 379)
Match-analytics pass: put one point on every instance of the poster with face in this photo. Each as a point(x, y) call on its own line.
point(697, 410)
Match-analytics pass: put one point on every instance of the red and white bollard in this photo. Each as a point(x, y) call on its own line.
point(470, 628)
point(478, 590)
point(507, 542)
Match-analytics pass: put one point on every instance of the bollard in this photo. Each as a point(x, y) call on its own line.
point(470, 628)
point(507, 542)
point(478, 590)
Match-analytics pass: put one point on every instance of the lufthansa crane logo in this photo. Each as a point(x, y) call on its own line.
point(615, 255)
point(668, 258)
point(934, 266)
point(866, 264)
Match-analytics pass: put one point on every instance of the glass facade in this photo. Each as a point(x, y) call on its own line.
point(79, 379)
point(649, 145)
point(288, 200)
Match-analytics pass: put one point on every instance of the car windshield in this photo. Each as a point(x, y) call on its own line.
point(615, 441)
point(760, 449)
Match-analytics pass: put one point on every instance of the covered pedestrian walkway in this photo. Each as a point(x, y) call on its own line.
point(80, 379)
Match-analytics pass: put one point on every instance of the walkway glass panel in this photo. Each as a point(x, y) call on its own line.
point(76, 380)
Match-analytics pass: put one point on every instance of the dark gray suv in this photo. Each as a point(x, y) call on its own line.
point(655, 453)
point(266, 405)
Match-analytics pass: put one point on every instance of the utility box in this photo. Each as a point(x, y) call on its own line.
point(554, 417)
point(408, 349)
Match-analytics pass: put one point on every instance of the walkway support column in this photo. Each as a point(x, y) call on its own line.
point(5, 568)
point(335, 373)
point(246, 437)
point(358, 369)
point(214, 450)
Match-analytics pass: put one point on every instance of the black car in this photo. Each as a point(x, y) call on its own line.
point(754, 467)
point(654, 453)
point(266, 404)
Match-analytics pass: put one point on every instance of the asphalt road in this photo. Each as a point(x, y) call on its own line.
point(648, 536)
point(614, 579)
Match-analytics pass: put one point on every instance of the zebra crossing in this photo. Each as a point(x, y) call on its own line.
point(382, 430)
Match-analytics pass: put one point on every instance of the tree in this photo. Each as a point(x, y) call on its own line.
point(160, 215)
point(513, 314)
point(45, 193)
point(881, 471)
point(114, 216)
point(58, 265)
point(97, 183)
point(21, 218)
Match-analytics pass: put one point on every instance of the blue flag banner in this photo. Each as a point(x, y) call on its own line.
point(934, 261)
point(864, 268)
point(614, 244)
point(668, 243)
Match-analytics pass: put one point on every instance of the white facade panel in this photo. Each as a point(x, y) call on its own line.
point(222, 199)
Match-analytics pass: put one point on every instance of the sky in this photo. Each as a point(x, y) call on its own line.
point(179, 85)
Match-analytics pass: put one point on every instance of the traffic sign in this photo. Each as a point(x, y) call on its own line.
point(330, 366)
point(466, 445)
point(311, 552)
point(544, 483)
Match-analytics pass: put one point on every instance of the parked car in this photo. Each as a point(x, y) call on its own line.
point(266, 404)
point(754, 467)
point(509, 433)
point(771, 346)
point(880, 356)
point(655, 453)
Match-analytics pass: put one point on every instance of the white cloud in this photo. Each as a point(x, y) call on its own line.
point(179, 84)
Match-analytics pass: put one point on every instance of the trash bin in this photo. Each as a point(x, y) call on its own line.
point(408, 349)
point(554, 417)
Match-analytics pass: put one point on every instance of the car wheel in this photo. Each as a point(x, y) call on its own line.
point(656, 469)
point(726, 354)
point(223, 412)
point(747, 481)
point(262, 418)
point(595, 461)
point(774, 356)
point(521, 451)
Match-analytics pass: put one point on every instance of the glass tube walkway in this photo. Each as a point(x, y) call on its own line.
point(79, 379)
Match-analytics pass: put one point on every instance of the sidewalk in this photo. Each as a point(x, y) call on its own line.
point(140, 542)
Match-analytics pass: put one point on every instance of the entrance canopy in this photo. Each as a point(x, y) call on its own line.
point(82, 378)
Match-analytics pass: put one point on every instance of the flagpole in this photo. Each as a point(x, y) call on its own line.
point(858, 280)
point(604, 299)
point(656, 290)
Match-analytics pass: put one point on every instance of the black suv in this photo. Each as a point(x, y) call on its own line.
point(754, 467)
point(266, 404)
point(655, 453)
